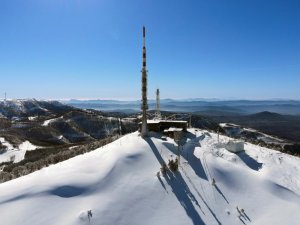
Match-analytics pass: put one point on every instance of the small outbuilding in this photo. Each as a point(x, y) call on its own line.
point(235, 146)
point(162, 125)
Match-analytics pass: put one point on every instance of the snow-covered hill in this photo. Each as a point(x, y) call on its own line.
point(47, 123)
point(234, 130)
point(29, 107)
point(120, 184)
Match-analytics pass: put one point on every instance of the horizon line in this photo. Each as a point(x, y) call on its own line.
point(134, 99)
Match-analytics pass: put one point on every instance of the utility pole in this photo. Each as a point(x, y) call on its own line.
point(157, 113)
point(120, 127)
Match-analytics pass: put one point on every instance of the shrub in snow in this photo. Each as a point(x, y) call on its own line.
point(2, 148)
point(173, 164)
point(12, 158)
point(31, 167)
point(86, 216)
point(4, 176)
point(163, 169)
point(89, 214)
point(213, 182)
point(19, 171)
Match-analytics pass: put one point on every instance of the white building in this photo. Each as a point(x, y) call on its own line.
point(235, 146)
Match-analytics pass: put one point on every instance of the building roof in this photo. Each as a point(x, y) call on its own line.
point(164, 121)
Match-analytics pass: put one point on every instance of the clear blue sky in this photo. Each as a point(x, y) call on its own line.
point(245, 49)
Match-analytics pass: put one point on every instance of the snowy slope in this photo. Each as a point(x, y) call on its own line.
point(15, 154)
point(120, 185)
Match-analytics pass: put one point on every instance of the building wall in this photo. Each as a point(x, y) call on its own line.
point(167, 124)
point(162, 125)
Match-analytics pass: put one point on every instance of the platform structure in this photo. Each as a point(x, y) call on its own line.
point(164, 125)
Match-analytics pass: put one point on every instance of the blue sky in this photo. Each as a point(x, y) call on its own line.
point(243, 49)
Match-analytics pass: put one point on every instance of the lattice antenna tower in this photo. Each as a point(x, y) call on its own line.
point(144, 129)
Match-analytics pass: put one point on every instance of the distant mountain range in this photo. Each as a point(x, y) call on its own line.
point(212, 106)
point(46, 122)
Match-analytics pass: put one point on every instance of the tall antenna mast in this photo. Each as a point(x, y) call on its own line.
point(5, 96)
point(157, 113)
point(144, 129)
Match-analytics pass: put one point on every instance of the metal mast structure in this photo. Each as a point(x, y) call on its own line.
point(157, 113)
point(144, 129)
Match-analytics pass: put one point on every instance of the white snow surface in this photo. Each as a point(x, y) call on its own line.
point(32, 118)
point(27, 146)
point(120, 185)
point(17, 154)
point(47, 122)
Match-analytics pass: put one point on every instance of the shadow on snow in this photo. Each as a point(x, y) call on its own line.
point(181, 189)
point(188, 154)
point(249, 161)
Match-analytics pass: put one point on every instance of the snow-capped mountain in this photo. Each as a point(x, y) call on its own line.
point(30, 107)
point(121, 183)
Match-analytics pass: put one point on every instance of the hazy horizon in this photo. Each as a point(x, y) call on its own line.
point(152, 99)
